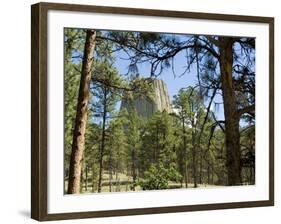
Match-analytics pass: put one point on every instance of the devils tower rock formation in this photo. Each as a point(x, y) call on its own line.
point(159, 101)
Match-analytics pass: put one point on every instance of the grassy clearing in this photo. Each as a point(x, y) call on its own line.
point(123, 183)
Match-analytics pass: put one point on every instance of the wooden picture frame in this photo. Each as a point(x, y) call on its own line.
point(39, 110)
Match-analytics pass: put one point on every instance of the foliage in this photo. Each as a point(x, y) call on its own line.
point(188, 145)
point(157, 141)
point(157, 178)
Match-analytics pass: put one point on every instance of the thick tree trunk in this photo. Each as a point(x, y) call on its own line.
point(232, 135)
point(81, 115)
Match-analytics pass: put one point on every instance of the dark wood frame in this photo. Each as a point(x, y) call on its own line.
point(39, 110)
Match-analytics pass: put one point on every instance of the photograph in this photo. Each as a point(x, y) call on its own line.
point(150, 111)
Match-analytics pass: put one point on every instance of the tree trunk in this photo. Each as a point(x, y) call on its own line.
point(81, 115)
point(134, 169)
point(94, 183)
point(232, 135)
point(184, 153)
point(81, 178)
point(110, 171)
point(208, 173)
point(102, 140)
point(200, 167)
point(212, 175)
point(194, 156)
point(86, 178)
point(117, 186)
point(194, 167)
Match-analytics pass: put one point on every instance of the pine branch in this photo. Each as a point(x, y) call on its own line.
point(246, 110)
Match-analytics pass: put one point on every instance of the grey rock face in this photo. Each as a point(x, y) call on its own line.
point(160, 101)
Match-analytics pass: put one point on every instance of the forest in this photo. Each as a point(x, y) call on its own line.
point(154, 111)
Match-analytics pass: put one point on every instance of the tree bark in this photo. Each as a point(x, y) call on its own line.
point(81, 115)
point(232, 135)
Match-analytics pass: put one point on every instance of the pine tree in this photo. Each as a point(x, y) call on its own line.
point(81, 116)
point(105, 96)
point(190, 107)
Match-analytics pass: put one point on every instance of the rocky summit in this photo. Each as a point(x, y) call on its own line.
point(159, 101)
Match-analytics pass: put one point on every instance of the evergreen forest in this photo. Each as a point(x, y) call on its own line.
point(154, 111)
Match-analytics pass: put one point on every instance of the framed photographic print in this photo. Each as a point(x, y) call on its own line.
point(138, 111)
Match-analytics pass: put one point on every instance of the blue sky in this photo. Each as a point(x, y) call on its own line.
point(174, 84)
